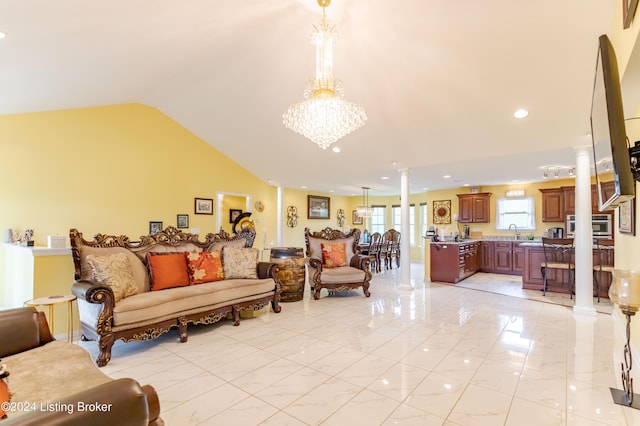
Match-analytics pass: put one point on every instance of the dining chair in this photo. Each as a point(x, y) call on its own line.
point(375, 243)
point(558, 253)
point(603, 262)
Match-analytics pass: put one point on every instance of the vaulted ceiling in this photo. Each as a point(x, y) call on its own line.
point(439, 80)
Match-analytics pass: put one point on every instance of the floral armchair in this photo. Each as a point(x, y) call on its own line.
point(335, 262)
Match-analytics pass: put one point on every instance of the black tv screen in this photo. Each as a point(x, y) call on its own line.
point(610, 147)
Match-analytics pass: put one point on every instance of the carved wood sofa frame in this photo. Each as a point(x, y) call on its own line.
point(357, 261)
point(95, 293)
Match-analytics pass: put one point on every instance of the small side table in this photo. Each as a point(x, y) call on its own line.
point(50, 301)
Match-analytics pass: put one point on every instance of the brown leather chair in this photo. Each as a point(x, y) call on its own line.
point(348, 272)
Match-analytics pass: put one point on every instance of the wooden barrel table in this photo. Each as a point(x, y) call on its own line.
point(292, 273)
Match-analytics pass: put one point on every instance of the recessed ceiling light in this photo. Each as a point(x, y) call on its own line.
point(335, 149)
point(425, 188)
point(384, 177)
point(303, 187)
point(515, 181)
point(2, 35)
point(446, 176)
point(521, 113)
point(394, 163)
point(331, 191)
point(466, 184)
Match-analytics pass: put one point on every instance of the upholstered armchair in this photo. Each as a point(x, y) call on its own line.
point(335, 262)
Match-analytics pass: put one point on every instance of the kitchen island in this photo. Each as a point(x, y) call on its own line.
point(452, 261)
point(557, 279)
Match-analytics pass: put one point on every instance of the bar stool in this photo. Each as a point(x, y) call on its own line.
point(602, 251)
point(558, 254)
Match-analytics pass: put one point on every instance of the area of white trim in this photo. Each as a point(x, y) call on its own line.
point(37, 251)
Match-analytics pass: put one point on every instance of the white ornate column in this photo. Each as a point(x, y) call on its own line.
point(583, 239)
point(405, 246)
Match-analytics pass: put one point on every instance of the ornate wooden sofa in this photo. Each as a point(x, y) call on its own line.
point(349, 272)
point(148, 314)
point(55, 382)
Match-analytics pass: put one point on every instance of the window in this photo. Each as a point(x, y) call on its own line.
point(423, 218)
point(518, 211)
point(377, 219)
point(396, 217)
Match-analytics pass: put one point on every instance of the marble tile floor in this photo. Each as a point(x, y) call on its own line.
point(434, 355)
point(511, 285)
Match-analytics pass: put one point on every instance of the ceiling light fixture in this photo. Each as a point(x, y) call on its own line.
point(364, 210)
point(2, 35)
point(521, 113)
point(325, 116)
point(545, 175)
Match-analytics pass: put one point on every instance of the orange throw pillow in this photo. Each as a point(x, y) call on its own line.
point(205, 267)
point(334, 255)
point(167, 270)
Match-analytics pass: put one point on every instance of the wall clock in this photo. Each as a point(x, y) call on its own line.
point(259, 205)
point(442, 212)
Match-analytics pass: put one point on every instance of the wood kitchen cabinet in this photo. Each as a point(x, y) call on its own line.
point(557, 203)
point(453, 262)
point(474, 208)
point(501, 257)
point(553, 205)
point(486, 256)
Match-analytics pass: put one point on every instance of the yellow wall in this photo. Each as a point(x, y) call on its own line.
point(108, 170)
point(294, 237)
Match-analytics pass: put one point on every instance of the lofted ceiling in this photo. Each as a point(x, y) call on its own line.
point(439, 80)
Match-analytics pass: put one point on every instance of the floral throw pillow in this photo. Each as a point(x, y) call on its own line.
point(240, 262)
point(334, 255)
point(205, 267)
point(114, 270)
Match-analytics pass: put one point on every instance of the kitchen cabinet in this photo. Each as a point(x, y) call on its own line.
point(557, 203)
point(553, 205)
point(501, 257)
point(486, 256)
point(474, 208)
point(453, 262)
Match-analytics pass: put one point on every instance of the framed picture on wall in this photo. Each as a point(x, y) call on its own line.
point(155, 227)
point(203, 205)
point(233, 215)
point(627, 217)
point(355, 219)
point(183, 221)
point(318, 207)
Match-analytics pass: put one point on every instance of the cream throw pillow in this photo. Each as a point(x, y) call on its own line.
point(240, 262)
point(114, 270)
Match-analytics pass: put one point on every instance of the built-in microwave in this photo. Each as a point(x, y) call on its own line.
point(600, 224)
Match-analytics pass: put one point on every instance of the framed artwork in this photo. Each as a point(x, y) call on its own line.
point(442, 212)
point(183, 221)
point(203, 205)
point(233, 215)
point(628, 11)
point(355, 219)
point(627, 217)
point(155, 227)
point(318, 207)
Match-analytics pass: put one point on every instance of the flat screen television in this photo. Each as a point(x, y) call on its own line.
point(610, 146)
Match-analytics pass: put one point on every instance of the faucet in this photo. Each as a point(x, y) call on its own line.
point(515, 231)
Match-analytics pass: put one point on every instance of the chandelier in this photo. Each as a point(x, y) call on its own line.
point(325, 116)
point(364, 210)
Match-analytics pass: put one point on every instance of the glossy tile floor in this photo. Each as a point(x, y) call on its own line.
point(437, 355)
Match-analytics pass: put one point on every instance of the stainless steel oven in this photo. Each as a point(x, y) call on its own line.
point(601, 225)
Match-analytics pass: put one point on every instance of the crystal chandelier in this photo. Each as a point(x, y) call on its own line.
point(364, 210)
point(325, 116)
